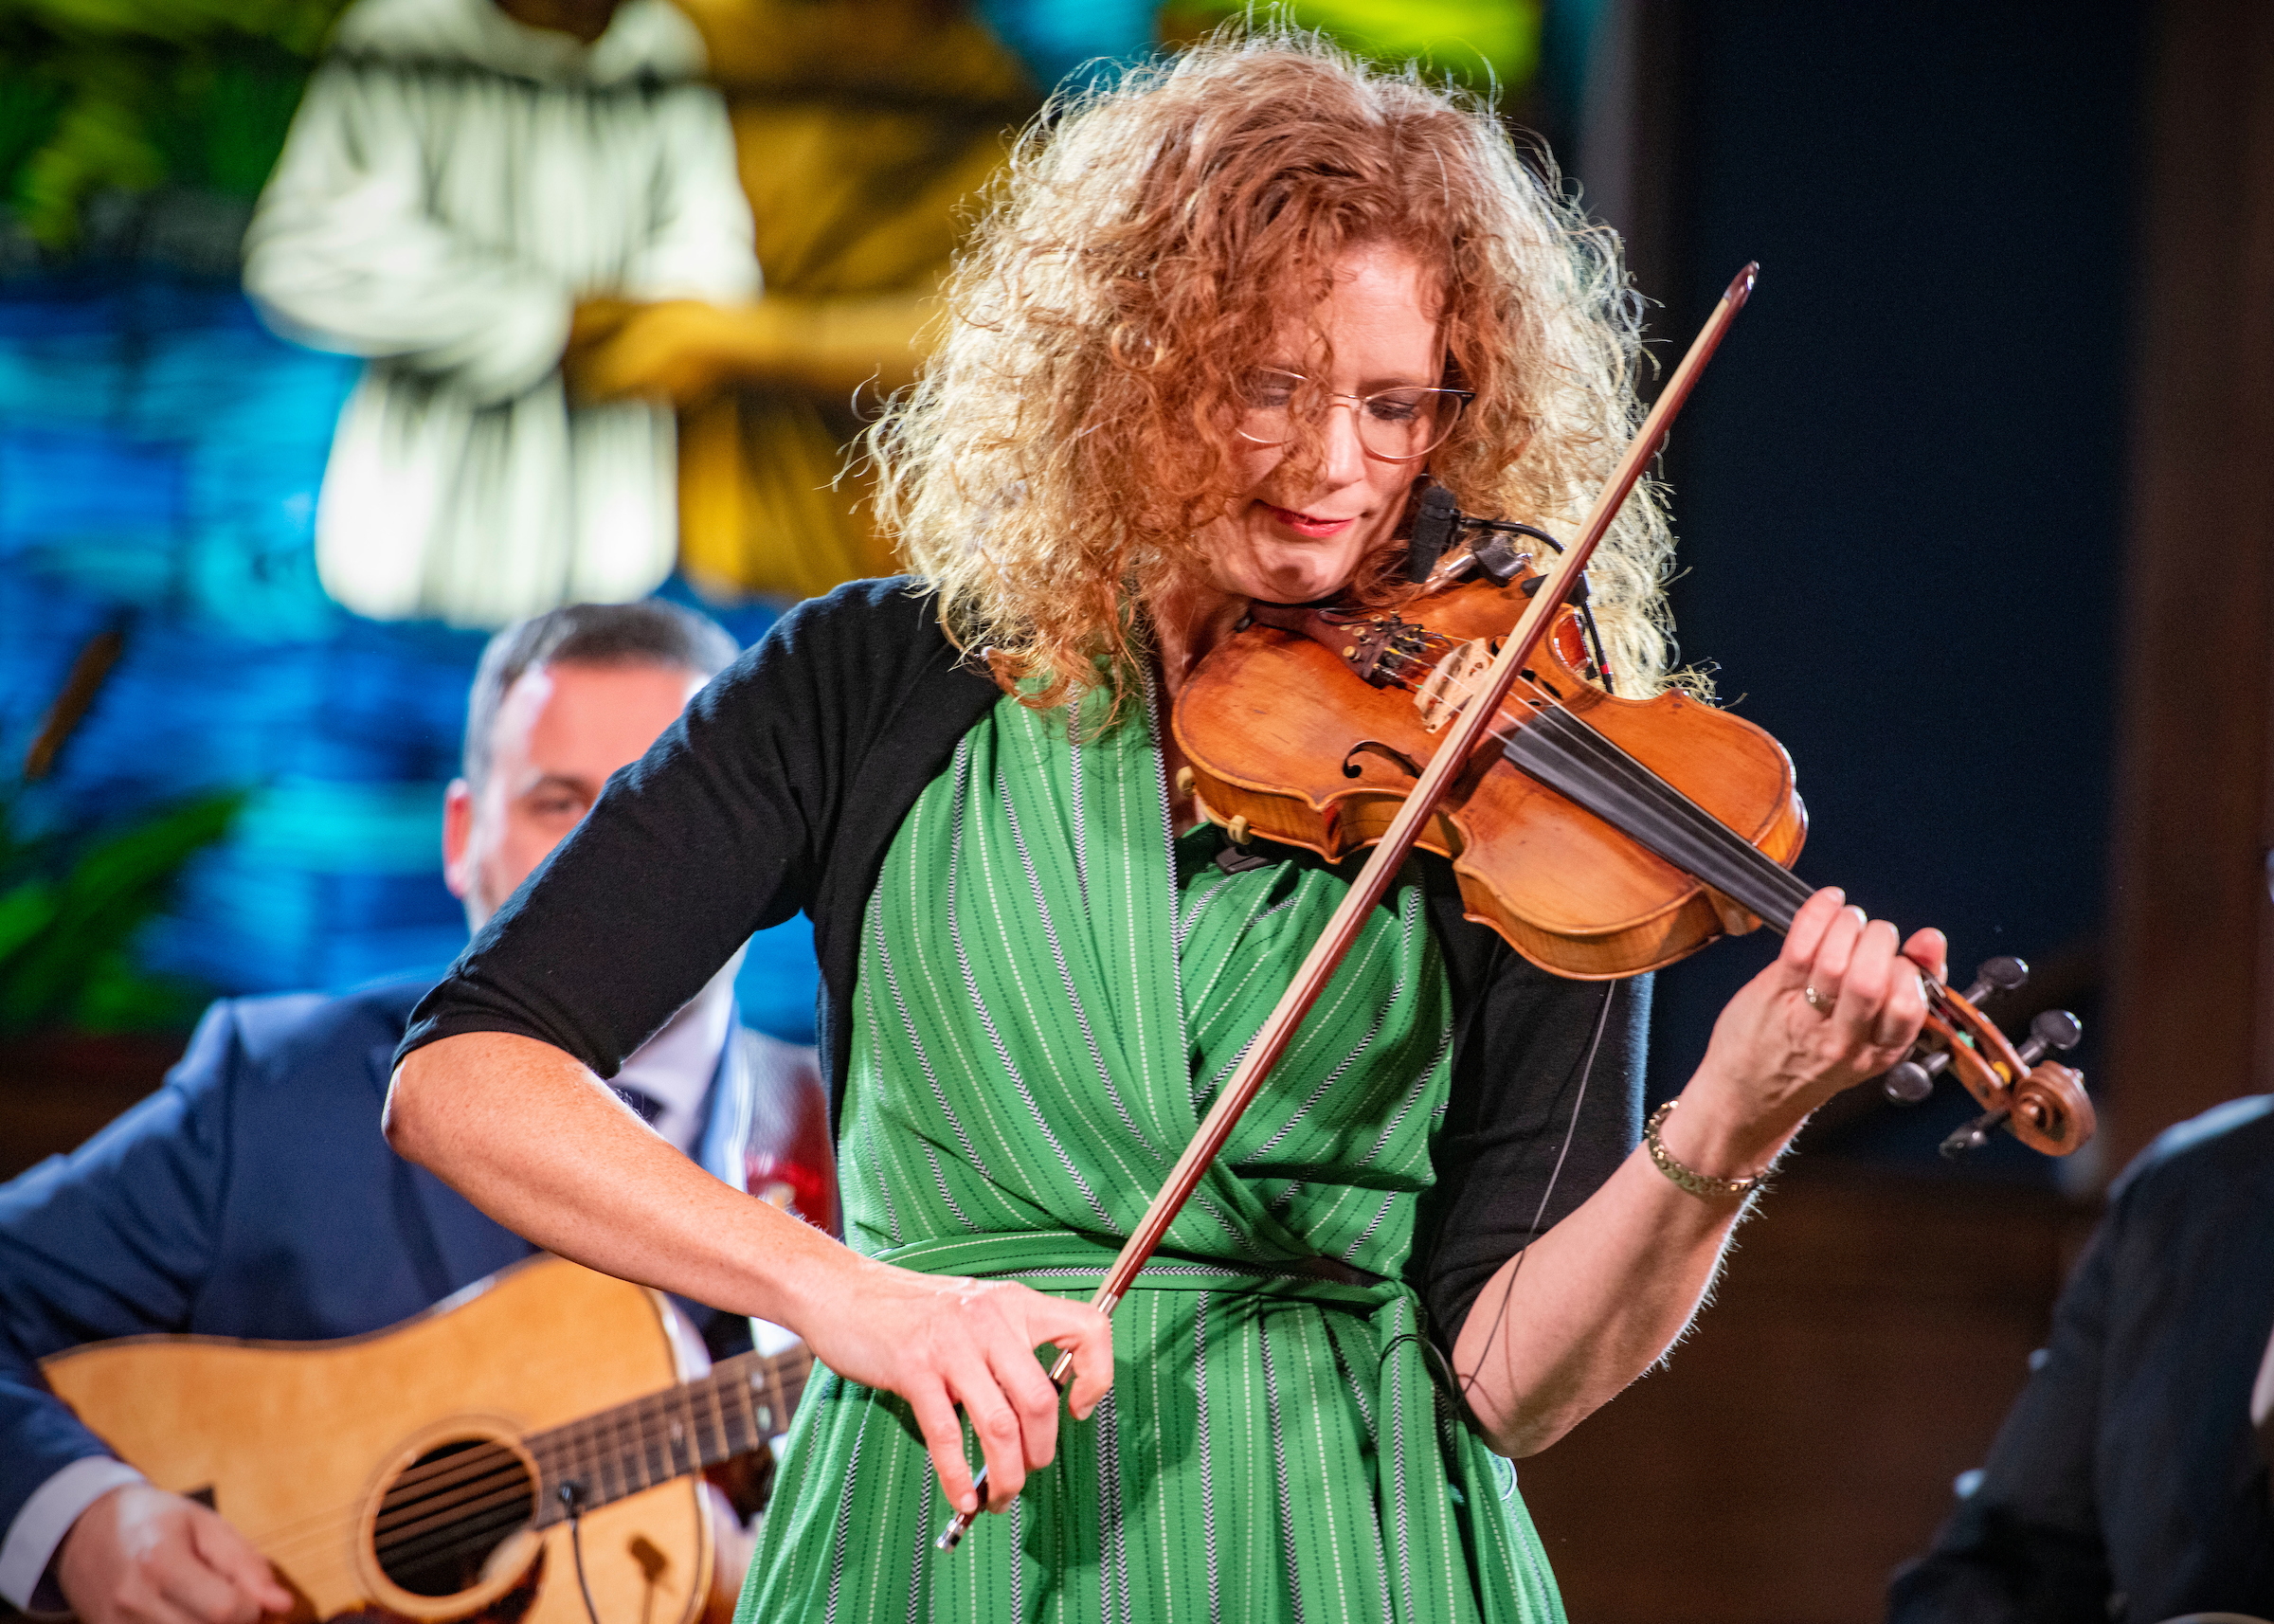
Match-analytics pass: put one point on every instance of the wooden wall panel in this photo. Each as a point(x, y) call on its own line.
point(2192, 926)
point(59, 1089)
point(1868, 1336)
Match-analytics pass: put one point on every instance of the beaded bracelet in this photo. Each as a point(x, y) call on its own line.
point(1697, 1183)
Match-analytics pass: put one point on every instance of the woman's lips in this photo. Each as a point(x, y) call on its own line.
point(1308, 525)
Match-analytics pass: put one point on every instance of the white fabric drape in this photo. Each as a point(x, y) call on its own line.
point(453, 183)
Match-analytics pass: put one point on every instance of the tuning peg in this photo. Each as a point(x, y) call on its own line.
point(2001, 974)
point(1907, 1082)
point(1975, 1134)
point(1910, 1080)
point(2054, 1029)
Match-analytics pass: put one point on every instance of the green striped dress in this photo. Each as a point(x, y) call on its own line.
point(1051, 989)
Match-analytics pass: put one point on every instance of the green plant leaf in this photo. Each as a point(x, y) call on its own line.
point(114, 886)
point(26, 909)
point(116, 996)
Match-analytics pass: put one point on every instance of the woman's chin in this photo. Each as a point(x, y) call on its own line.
point(1297, 573)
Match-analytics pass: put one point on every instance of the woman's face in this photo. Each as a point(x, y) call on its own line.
point(1291, 537)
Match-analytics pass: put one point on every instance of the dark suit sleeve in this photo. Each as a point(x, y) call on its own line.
point(2025, 1545)
point(116, 1239)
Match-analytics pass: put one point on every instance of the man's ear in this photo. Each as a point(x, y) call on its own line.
point(458, 837)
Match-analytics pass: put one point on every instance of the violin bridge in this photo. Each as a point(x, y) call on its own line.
point(1438, 696)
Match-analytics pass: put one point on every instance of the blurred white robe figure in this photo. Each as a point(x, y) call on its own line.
point(454, 184)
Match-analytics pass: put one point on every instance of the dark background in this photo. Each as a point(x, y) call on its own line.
point(1900, 491)
point(1977, 516)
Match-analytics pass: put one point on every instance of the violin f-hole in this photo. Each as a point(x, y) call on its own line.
point(1351, 766)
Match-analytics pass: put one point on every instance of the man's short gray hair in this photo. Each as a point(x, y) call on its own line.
point(647, 633)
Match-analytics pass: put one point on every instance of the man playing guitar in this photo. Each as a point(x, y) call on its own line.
point(253, 1196)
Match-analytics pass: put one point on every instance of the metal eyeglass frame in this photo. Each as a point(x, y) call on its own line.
point(1357, 403)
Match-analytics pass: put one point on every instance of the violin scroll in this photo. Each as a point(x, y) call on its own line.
point(2042, 1101)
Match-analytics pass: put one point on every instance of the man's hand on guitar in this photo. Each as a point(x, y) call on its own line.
point(142, 1556)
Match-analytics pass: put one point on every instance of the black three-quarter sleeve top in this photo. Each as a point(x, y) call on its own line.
point(781, 788)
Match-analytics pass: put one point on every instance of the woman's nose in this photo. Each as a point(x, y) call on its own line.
point(1346, 451)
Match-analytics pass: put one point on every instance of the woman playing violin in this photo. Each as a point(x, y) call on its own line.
point(1220, 323)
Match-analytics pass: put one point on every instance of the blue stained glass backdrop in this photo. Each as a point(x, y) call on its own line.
point(159, 457)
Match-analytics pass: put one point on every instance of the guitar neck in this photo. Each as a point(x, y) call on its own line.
point(734, 1410)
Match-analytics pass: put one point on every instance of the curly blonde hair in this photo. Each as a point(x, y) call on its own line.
point(1144, 246)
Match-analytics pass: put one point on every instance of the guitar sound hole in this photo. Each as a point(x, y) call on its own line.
point(448, 1511)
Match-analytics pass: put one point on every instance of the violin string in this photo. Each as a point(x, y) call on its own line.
point(1700, 844)
point(1615, 768)
point(1579, 763)
point(1686, 834)
point(1743, 860)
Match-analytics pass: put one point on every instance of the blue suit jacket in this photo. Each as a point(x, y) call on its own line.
point(2127, 1484)
point(251, 1195)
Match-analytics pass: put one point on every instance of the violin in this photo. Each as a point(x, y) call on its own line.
point(1600, 835)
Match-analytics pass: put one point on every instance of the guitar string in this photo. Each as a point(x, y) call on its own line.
point(293, 1537)
point(585, 1438)
point(639, 1419)
point(723, 1371)
point(459, 1510)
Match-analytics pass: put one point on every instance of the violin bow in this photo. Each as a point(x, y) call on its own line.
point(1389, 854)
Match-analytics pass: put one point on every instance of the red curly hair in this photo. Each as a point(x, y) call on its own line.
point(1147, 245)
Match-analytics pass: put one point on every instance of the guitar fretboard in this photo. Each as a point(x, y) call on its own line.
point(743, 1403)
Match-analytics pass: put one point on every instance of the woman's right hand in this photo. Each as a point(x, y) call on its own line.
point(940, 1342)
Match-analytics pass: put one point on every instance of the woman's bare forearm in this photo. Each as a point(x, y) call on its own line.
point(1561, 1327)
point(537, 1142)
point(1599, 1299)
point(532, 1138)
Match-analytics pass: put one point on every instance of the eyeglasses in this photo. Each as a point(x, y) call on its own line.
point(1393, 425)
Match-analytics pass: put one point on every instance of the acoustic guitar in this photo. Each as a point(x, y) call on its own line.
point(425, 1473)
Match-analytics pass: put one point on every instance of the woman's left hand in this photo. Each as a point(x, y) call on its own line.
point(1840, 1004)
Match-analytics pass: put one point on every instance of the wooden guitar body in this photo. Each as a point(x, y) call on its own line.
point(301, 1445)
